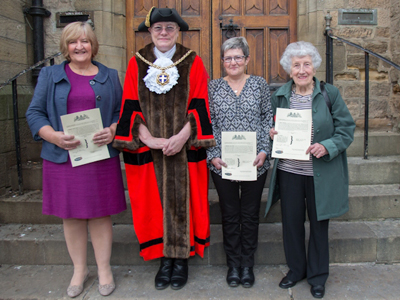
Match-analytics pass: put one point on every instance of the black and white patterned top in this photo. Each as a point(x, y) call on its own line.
point(249, 111)
point(299, 167)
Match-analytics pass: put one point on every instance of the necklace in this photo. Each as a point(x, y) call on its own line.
point(163, 77)
point(239, 85)
point(82, 72)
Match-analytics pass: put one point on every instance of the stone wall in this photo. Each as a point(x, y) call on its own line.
point(16, 54)
point(109, 21)
point(348, 63)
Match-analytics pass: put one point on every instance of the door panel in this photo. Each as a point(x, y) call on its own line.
point(268, 25)
point(196, 13)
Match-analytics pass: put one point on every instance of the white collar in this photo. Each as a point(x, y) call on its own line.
point(169, 54)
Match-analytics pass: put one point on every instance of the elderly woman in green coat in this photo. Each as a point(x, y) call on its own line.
point(318, 185)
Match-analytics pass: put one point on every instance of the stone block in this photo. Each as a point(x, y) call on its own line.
point(358, 62)
point(301, 7)
point(376, 124)
point(12, 9)
point(302, 27)
point(112, 57)
point(11, 69)
point(370, 4)
point(377, 108)
point(355, 90)
point(12, 30)
point(380, 90)
point(353, 32)
point(353, 50)
point(7, 136)
point(96, 5)
point(382, 32)
point(119, 7)
point(312, 6)
point(339, 52)
point(3, 172)
point(394, 105)
point(375, 76)
point(379, 47)
point(59, 6)
point(354, 107)
point(110, 29)
point(346, 76)
point(14, 52)
point(384, 16)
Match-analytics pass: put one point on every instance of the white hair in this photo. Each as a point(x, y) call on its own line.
point(300, 49)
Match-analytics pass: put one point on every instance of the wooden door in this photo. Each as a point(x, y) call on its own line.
point(268, 25)
point(195, 12)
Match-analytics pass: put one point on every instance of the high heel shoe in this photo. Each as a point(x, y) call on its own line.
point(75, 290)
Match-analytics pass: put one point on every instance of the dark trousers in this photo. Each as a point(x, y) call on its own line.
point(240, 209)
point(297, 196)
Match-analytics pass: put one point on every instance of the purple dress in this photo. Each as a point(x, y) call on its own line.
point(89, 191)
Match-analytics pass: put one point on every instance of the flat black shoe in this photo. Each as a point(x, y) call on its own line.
point(286, 283)
point(233, 276)
point(179, 274)
point(247, 277)
point(163, 277)
point(318, 291)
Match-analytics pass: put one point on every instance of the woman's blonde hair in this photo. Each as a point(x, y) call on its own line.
point(72, 32)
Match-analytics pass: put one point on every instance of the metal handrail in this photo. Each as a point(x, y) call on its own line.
point(38, 64)
point(13, 80)
point(329, 71)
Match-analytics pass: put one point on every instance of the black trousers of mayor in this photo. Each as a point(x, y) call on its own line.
point(297, 196)
point(240, 209)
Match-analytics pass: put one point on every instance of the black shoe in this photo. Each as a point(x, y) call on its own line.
point(286, 283)
point(318, 291)
point(179, 274)
point(163, 277)
point(233, 276)
point(247, 277)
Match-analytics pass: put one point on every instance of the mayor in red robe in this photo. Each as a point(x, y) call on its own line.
point(163, 130)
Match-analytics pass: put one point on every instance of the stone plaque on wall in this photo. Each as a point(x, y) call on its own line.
point(357, 17)
point(64, 18)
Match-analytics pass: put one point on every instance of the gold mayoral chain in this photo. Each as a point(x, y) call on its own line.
point(163, 77)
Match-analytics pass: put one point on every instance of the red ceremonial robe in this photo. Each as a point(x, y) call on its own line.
point(168, 194)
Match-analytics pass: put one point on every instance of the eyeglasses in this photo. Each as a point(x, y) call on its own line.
point(168, 29)
point(237, 58)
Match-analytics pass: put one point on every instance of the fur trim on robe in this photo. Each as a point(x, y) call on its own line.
point(165, 115)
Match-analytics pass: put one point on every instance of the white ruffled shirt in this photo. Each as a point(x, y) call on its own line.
point(163, 60)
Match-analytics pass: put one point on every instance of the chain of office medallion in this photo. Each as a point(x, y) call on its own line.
point(163, 68)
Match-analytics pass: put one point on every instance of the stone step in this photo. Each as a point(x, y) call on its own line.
point(350, 242)
point(379, 144)
point(374, 170)
point(367, 202)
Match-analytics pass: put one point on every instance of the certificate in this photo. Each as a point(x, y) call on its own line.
point(83, 125)
point(239, 150)
point(294, 134)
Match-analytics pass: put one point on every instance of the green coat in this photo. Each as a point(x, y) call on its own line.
point(335, 132)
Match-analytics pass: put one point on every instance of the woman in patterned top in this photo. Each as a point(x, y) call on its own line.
point(318, 185)
point(239, 102)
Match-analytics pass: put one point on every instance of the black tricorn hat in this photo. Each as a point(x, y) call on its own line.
point(163, 15)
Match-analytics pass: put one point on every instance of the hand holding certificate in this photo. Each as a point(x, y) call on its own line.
point(238, 152)
point(83, 125)
point(294, 134)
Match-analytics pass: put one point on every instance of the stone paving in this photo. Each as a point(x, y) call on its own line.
point(346, 281)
